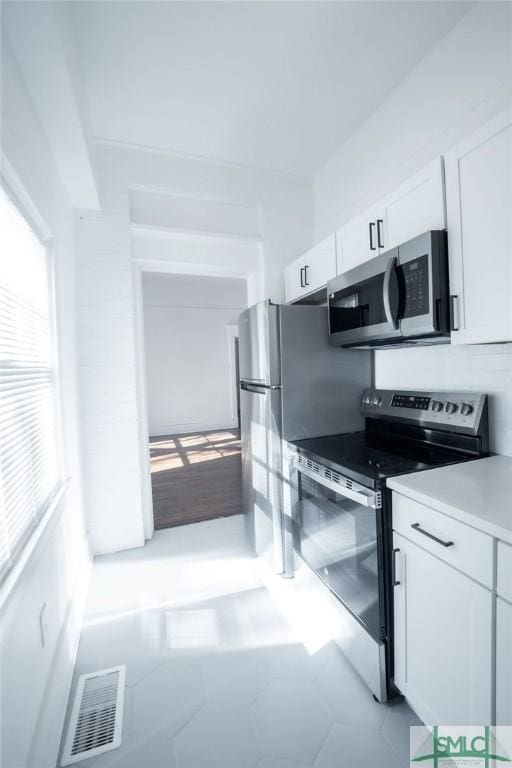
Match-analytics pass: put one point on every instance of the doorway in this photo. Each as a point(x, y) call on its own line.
point(195, 477)
point(192, 396)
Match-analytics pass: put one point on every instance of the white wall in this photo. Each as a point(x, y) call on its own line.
point(188, 376)
point(461, 84)
point(35, 680)
point(115, 467)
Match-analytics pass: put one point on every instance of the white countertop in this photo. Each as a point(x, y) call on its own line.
point(478, 493)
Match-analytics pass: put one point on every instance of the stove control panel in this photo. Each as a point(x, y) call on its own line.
point(411, 401)
point(456, 411)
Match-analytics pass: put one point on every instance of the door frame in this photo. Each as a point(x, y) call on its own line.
point(232, 334)
point(139, 266)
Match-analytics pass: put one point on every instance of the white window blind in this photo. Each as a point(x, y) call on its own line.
point(28, 446)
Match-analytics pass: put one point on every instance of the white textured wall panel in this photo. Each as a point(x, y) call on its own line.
point(483, 368)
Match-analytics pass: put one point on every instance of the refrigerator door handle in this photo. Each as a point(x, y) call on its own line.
point(258, 389)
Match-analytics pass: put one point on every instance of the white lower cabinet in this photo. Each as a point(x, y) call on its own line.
point(503, 662)
point(504, 635)
point(443, 639)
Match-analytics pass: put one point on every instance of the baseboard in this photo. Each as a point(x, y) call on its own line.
point(44, 750)
point(188, 428)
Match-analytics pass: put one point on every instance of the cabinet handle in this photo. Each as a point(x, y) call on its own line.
point(417, 527)
point(394, 582)
point(380, 242)
point(306, 283)
point(302, 277)
point(454, 312)
point(370, 230)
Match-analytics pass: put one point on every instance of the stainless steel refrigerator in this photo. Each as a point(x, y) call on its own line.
point(293, 385)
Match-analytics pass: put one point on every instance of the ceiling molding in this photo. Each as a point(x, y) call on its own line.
point(126, 145)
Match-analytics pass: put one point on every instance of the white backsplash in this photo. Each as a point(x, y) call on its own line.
point(478, 368)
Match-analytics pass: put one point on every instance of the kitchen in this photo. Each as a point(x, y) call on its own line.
point(365, 585)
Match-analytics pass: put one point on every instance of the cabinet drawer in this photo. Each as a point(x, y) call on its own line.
point(504, 587)
point(470, 551)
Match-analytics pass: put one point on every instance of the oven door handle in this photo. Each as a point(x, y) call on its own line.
point(363, 496)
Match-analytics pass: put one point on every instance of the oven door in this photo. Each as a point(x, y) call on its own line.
point(337, 531)
point(364, 303)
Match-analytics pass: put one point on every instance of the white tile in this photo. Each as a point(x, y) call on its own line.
point(155, 750)
point(399, 718)
point(212, 662)
point(291, 719)
point(217, 737)
point(349, 701)
point(126, 640)
point(356, 748)
point(168, 696)
point(240, 675)
point(272, 762)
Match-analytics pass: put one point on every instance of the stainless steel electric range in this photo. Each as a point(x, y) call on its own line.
point(341, 510)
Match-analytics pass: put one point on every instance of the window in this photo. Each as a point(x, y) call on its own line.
point(29, 466)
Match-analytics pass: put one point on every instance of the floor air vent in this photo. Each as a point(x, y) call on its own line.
point(97, 716)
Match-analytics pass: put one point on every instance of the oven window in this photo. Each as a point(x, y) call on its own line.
point(337, 538)
point(359, 306)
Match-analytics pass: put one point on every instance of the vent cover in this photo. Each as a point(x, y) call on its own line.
point(97, 716)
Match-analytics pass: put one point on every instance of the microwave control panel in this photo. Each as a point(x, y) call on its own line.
point(414, 274)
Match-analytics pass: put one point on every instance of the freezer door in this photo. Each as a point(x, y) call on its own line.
point(259, 344)
point(260, 413)
point(321, 384)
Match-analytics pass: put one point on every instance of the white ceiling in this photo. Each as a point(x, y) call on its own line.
point(278, 85)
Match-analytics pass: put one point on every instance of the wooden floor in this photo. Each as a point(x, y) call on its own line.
point(195, 477)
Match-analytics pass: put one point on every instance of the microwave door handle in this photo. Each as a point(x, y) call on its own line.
point(390, 283)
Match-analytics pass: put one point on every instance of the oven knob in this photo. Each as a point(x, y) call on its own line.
point(466, 409)
point(437, 406)
point(451, 407)
point(376, 400)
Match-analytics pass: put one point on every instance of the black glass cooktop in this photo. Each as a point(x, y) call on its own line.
point(370, 459)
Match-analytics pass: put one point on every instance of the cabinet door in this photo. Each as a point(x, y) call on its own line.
point(443, 639)
point(479, 202)
point(503, 662)
point(294, 280)
point(320, 264)
point(358, 241)
point(415, 206)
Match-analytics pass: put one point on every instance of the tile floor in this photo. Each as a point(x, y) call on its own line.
point(216, 677)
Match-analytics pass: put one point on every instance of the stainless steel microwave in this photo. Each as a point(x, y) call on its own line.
point(401, 296)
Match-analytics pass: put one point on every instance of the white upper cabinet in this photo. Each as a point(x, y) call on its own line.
point(414, 207)
point(479, 203)
point(294, 280)
point(311, 271)
point(360, 240)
